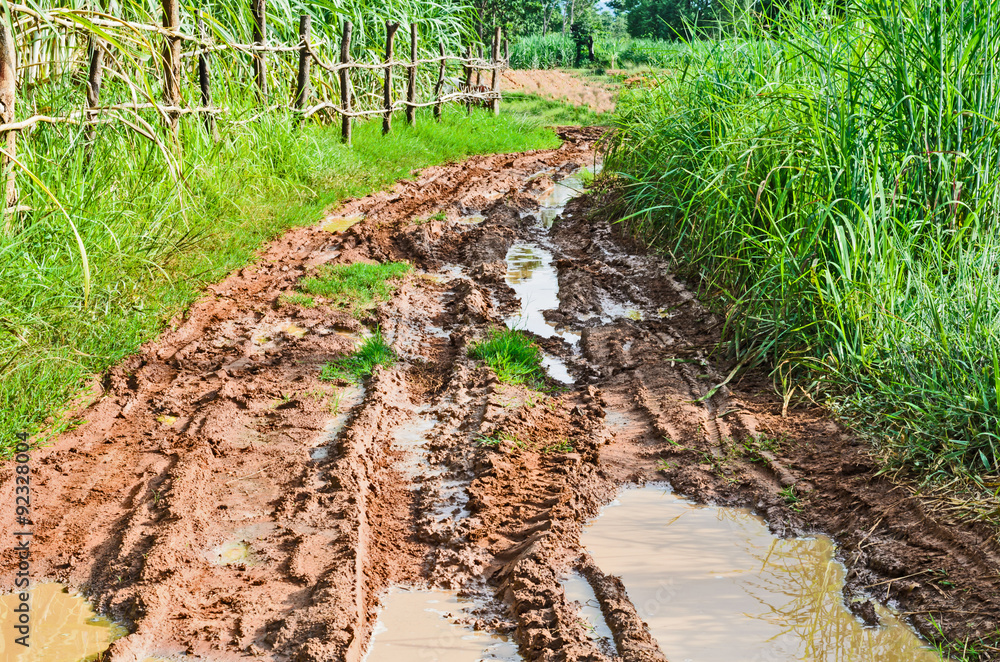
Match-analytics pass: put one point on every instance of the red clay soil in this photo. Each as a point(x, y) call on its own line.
point(221, 432)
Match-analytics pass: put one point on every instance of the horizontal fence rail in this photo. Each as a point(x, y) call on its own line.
point(319, 78)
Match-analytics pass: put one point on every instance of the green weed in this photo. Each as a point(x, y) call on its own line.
point(513, 357)
point(562, 446)
point(297, 299)
point(374, 352)
point(497, 440)
point(357, 287)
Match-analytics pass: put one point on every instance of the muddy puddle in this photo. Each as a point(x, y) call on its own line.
point(554, 202)
point(710, 581)
point(63, 627)
point(579, 591)
point(533, 276)
point(425, 625)
point(410, 440)
point(343, 403)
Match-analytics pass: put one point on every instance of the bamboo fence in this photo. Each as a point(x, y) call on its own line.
point(77, 42)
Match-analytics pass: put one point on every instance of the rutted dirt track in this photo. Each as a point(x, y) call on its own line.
point(222, 431)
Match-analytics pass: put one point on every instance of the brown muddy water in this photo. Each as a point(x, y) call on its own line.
point(710, 581)
point(532, 275)
point(64, 627)
point(554, 202)
point(424, 625)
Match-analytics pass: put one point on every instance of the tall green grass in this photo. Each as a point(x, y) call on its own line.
point(836, 178)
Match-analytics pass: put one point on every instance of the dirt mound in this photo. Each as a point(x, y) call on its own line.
point(223, 502)
point(559, 85)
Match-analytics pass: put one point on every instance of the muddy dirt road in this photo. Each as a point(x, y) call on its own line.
point(222, 502)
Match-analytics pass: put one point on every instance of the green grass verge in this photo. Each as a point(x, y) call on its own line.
point(374, 352)
point(512, 355)
point(154, 240)
point(297, 299)
point(535, 109)
point(357, 287)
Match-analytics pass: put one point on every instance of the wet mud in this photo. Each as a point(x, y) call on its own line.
point(221, 502)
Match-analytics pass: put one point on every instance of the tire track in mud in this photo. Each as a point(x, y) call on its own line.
point(218, 442)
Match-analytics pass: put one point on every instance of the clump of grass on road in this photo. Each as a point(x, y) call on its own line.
point(512, 355)
point(357, 287)
point(374, 352)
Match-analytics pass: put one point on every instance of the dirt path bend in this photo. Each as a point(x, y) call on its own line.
point(219, 443)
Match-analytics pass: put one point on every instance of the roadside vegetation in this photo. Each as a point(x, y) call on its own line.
point(513, 356)
point(830, 178)
point(556, 50)
point(533, 108)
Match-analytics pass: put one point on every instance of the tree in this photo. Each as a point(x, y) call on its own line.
point(665, 19)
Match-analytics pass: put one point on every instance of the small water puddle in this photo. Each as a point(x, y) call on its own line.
point(63, 627)
point(410, 438)
point(710, 581)
point(423, 625)
point(342, 404)
point(579, 590)
point(554, 202)
point(533, 277)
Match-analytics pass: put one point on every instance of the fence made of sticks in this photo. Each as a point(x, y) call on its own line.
point(162, 74)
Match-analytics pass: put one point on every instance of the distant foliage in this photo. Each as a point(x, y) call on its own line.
point(555, 51)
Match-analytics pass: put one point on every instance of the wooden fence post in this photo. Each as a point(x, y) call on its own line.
point(439, 88)
point(34, 73)
point(390, 33)
point(205, 81)
point(506, 53)
point(302, 88)
point(345, 84)
point(8, 102)
point(468, 79)
point(172, 62)
point(479, 56)
point(94, 78)
point(495, 87)
point(259, 39)
point(411, 84)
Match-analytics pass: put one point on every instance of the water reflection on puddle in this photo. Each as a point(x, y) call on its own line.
point(410, 438)
point(579, 590)
point(531, 274)
point(421, 625)
point(533, 277)
point(343, 403)
point(554, 202)
point(710, 581)
point(63, 626)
